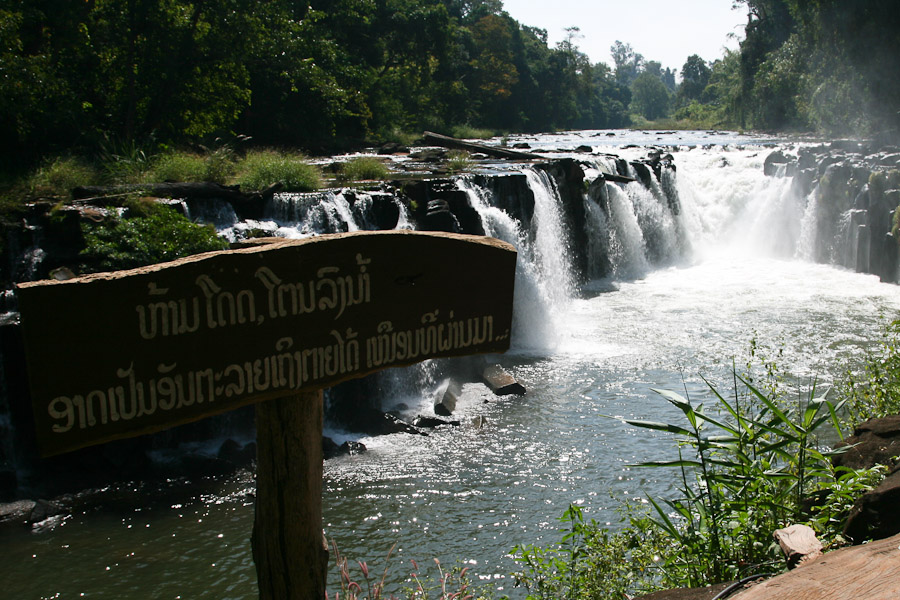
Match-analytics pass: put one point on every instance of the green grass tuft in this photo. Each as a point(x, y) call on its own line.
point(262, 168)
point(57, 178)
point(363, 168)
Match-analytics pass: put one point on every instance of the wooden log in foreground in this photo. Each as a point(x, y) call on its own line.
point(870, 571)
point(495, 151)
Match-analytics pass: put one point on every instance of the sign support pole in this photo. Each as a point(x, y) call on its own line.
point(288, 545)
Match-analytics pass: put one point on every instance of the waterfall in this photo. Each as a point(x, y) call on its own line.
point(535, 303)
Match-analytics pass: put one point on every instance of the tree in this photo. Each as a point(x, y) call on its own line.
point(627, 63)
point(695, 75)
point(649, 96)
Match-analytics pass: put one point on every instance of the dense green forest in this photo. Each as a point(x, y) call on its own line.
point(87, 75)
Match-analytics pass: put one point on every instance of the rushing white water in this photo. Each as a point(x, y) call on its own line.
point(668, 298)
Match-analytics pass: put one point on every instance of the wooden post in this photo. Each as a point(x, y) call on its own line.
point(288, 545)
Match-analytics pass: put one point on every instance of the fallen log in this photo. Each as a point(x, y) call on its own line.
point(495, 151)
point(870, 571)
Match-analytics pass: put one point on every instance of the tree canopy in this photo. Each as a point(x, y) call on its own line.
point(319, 75)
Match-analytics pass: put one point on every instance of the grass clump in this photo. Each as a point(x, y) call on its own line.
point(152, 233)
point(468, 132)
point(363, 168)
point(458, 161)
point(216, 167)
point(262, 168)
point(56, 178)
point(450, 584)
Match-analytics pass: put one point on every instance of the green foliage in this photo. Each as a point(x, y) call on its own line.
point(57, 178)
point(262, 168)
point(753, 461)
point(471, 133)
point(840, 492)
point(747, 465)
point(458, 161)
point(649, 96)
point(589, 561)
point(216, 167)
point(154, 233)
point(874, 391)
point(363, 168)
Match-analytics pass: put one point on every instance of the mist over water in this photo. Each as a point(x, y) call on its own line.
point(667, 298)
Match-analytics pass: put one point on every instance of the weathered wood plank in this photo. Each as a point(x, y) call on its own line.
point(115, 355)
point(870, 571)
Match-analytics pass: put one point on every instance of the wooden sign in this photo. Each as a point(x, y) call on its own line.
point(115, 355)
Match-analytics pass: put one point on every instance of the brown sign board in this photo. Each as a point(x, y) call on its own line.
point(114, 355)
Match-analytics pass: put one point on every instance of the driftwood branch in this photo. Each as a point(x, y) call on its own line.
point(495, 151)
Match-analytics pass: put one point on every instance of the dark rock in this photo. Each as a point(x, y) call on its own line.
point(439, 218)
point(584, 149)
point(16, 513)
point(432, 422)
point(875, 515)
point(501, 382)
point(393, 148)
point(773, 160)
point(237, 454)
point(429, 155)
point(522, 146)
point(329, 447)
point(352, 448)
point(42, 510)
point(877, 441)
point(445, 401)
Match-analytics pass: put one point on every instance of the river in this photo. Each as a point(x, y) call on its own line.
point(733, 272)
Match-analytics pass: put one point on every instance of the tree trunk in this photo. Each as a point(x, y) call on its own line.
point(449, 142)
point(288, 544)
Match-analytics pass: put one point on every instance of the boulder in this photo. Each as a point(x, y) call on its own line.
point(236, 453)
point(877, 441)
point(432, 422)
point(799, 544)
point(330, 449)
point(445, 400)
point(439, 218)
point(773, 160)
point(875, 515)
point(502, 383)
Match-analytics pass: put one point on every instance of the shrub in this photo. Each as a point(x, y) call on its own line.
point(155, 233)
point(262, 168)
point(363, 168)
